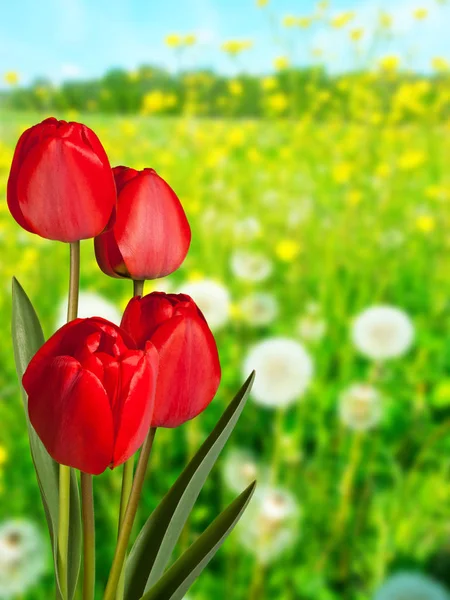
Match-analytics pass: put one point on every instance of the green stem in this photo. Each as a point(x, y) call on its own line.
point(128, 520)
point(138, 287)
point(128, 469)
point(74, 282)
point(87, 499)
point(63, 528)
point(127, 483)
point(65, 472)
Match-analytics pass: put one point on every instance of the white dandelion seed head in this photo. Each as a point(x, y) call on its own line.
point(271, 523)
point(360, 407)
point(392, 239)
point(212, 298)
point(311, 327)
point(250, 266)
point(248, 228)
point(23, 557)
point(259, 309)
point(90, 304)
point(382, 332)
point(283, 371)
point(241, 468)
point(407, 585)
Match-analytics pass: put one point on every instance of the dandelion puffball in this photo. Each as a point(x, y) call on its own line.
point(259, 309)
point(360, 407)
point(90, 304)
point(270, 524)
point(250, 266)
point(212, 298)
point(23, 557)
point(283, 371)
point(241, 468)
point(382, 332)
point(407, 585)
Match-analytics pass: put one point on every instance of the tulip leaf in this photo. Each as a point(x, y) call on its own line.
point(178, 579)
point(27, 338)
point(154, 546)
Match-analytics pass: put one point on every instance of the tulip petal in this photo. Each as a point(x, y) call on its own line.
point(143, 315)
point(152, 231)
point(54, 346)
point(139, 374)
point(70, 412)
point(64, 190)
point(189, 370)
point(108, 255)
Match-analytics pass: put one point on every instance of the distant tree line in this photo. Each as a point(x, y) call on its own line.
point(289, 92)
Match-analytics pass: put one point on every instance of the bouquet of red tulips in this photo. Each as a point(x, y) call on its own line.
point(95, 393)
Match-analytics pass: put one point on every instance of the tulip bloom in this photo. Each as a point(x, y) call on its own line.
point(60, 185)
point(151, 236)
point(91, 394)
point(189, 368)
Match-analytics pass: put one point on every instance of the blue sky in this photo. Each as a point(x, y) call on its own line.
point(61, 39)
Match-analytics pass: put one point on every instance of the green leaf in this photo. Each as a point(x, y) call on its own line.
point(154, 545)
point(178, 579)
point(27, 338)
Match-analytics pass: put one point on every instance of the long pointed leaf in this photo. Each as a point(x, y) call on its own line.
point(154, 545)
point(178, 579)
point(27, 338)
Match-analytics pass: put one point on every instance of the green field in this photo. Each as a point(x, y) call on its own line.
point(328, 219)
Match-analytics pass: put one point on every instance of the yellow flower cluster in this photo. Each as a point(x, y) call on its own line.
point(235, 47)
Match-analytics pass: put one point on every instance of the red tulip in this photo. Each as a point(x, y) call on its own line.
point(189, 368)
point(91, 394)
point(60, 185)
point(151, 236)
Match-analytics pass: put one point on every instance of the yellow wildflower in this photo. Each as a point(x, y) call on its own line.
point(278, 102)
point(190, 39)
point(11, 78)
point(173, 40)
point(289, 21)
point(235, 88)
point(356, 34)
point(3, 455)
point(287, 250)
point(342, 172)
point(440, 64)
point(411, 160)
point(420, 14)
point(390, 63)
point(385, 20)
point(342, 19)
point(269, 83)
point(425, 223)
point(281, 62)
point(304, 22)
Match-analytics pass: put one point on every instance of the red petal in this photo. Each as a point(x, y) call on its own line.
point(108, 255)
point(189, 370)
point(70, 412)
point(138, 383)
point(64, 189)
point(152, 231)
point(143, 315)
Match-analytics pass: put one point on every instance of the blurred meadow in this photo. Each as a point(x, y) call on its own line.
point(319, 205)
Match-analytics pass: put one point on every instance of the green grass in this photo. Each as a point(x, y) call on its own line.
point(365, 210)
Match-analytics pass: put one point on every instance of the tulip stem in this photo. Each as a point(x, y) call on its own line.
point(63, 528)
point(127, 482)
point(74, 281)
point(129, 516)
point(87, 500)
point(65, 472)
point(138, 287)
